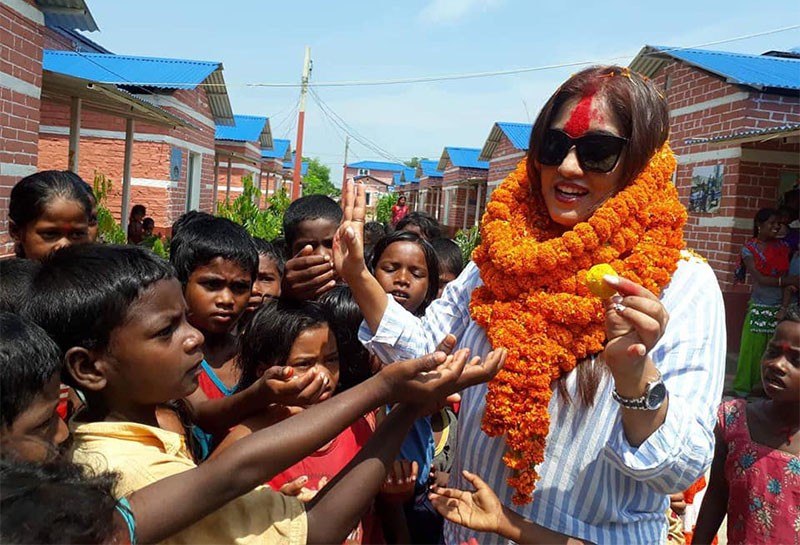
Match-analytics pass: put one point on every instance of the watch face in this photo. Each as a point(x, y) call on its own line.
point(656, 396)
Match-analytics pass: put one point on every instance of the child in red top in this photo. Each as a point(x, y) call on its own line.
point(298, 335)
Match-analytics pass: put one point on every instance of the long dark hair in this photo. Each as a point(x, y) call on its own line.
point(643, 117)
point(761, 217)
point(32, 194)
point(431, 261)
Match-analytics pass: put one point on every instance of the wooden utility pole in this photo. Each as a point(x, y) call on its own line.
point(301, 118)
point(344, 166)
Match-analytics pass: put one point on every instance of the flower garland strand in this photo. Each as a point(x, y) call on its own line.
point(534, 301)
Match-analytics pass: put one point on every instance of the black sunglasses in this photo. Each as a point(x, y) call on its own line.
point(596, 152)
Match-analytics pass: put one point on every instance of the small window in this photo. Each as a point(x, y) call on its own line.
point(368, 195)
point(363, 172)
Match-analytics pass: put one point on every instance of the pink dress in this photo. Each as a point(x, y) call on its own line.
point(763, 485)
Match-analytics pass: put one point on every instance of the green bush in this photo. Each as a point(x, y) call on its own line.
point(244, 210)
point(383, 209)
point(467, 241)
point(108, 230)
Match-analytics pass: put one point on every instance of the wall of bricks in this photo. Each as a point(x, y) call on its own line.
point(151, 160)
point(504, 159)
point(21, 58)
point(749, 183)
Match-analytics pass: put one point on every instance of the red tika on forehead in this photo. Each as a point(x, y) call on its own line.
point(578, 122)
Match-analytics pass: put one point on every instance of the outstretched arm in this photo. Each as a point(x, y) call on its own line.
point(482, 511)
point(715, 500)
point(172, 504)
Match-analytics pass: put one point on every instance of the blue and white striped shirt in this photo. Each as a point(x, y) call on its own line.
point(594, 485)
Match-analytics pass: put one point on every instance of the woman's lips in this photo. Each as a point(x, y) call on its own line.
point(568, 193)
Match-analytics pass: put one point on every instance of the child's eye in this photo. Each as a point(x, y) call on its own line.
point(212, 285)
point(419, 273)
point(50, 235)
point(241, 287)
point(167, 331)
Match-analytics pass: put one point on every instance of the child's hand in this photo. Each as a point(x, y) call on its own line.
point(635, 321)
point(285, 387)
point(307, 275)
point(426, 379)
point(348, 243)
point(677, 503)
point(480, 510)
point(398, 487)
point(297, 488)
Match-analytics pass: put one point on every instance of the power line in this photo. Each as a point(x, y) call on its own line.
point(475, 75)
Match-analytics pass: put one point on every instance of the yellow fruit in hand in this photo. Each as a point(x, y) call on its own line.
point(594, 280)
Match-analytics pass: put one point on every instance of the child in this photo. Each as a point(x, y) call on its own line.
point(406, 267)
point(422, 224)
point(298, 335)
point(309, 225)
point(148, 224)
point(135, 224)
point(48, 210)
point(93, 222)
point(373, 232)
point(451, 262)
point(755, 475)
point(267, 285)
point(117, 314)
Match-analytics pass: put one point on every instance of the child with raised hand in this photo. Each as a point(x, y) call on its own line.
point(406, 267)
point(267, 285)
point(451, 261)
point(46, 211)
point(118, 316)
point(755, 475)
point(309, 226)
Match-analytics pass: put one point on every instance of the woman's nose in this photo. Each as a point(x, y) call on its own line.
point(570, 167)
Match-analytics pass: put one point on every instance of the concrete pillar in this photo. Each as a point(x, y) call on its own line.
point(478, 204)
point(126, 174)
point(74, 134)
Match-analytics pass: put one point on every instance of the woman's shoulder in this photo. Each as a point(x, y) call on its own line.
point(692, 267)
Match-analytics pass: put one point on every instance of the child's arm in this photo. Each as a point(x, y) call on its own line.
point(482, 511)
point(172, 504)
point(348, 256)
point(337, 508)
point(277, 385)
point(789, 297)
point(715, 501)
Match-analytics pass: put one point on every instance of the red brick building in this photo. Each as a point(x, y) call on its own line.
point(272, 169)
point(378, 177)
point(735, 121)
point(463, 187)
point(505, 147)
point(239, 154)
point(429, 196)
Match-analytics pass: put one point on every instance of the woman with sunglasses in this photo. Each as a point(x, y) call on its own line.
point(605, 406)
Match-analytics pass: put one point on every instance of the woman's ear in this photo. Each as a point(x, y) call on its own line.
point(85, 369)
point(14, 231)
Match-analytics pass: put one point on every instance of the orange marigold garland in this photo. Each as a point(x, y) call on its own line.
point(534, 301)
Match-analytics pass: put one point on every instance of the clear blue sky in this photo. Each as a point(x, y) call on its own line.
point(263, 42)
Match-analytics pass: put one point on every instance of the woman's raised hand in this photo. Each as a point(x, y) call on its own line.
point(348, 242)
point(635, 321)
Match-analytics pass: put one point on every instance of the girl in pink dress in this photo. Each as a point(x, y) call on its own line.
point(755, 475)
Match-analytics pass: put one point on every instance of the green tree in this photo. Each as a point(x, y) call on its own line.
point(383, 208)
point(108, 230)
point(414, 161)
point(317, 180)
point(467, 241)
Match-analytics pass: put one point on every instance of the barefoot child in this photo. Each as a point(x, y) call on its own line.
point(755, 475)
point(118, 316)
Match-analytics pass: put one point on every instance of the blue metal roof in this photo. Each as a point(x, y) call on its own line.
point(757, 71)
point(378, 165)
point(464, 158)
point(289, 165)
point(409, 175)
point(429, 168)
point(518, 133)
point(397, 179)
point(278, 151)
point(247, 128)
point(133, 71)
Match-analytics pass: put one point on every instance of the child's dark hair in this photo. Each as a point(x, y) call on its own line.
point(427, 224)
point(31, 195)
point(431, 261)
point(269, 336)
point(268, 249)
point(56, 502)
point(138, 209)
point(761, 216)
point(28, 361)
point(16, 276)
point(310, 207)
point(202, 239)
point(148, 222)
point(450, 258)
point(186, 218)
point(83, 292)
point(346, 318)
